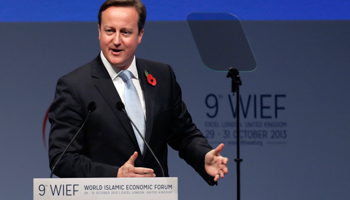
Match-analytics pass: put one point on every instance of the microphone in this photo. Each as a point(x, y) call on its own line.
point(91, 108)
point(121, 107)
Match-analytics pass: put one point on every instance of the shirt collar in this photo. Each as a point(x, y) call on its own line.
point(115, 71)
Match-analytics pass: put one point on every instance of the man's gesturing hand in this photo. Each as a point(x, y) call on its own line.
point(215, 164)
point(129, 170)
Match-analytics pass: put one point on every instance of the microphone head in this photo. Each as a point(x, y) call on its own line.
point(120, 106)
point(92, 106)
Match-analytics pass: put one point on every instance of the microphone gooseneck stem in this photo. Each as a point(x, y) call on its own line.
point(149, 148)
point(53, 168)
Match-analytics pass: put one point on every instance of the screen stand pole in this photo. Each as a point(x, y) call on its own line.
point(236, 82)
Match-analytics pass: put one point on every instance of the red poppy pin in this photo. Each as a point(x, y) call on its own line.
point(151, 80)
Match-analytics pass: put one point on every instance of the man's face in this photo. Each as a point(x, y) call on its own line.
point(119, 35)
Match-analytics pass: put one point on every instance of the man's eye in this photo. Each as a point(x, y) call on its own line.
point(109, 31)
point(126, 32)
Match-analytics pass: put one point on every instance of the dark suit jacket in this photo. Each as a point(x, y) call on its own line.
point(107, 141)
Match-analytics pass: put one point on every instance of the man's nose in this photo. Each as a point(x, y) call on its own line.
point(116, 39)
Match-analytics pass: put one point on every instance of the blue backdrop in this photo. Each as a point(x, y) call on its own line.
point(294, 109)
point(165, 10)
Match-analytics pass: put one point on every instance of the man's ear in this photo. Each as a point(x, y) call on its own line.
point(140, 35)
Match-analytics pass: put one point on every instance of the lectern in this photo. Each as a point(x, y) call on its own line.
point(105, 188)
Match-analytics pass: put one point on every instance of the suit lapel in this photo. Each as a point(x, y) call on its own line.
point(149, 97)
point(105, 86)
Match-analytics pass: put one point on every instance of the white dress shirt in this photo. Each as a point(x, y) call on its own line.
point(119, 83)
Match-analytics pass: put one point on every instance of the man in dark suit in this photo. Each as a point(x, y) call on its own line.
point(108, 145)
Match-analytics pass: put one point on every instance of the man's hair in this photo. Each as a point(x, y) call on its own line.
point(137, 4)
